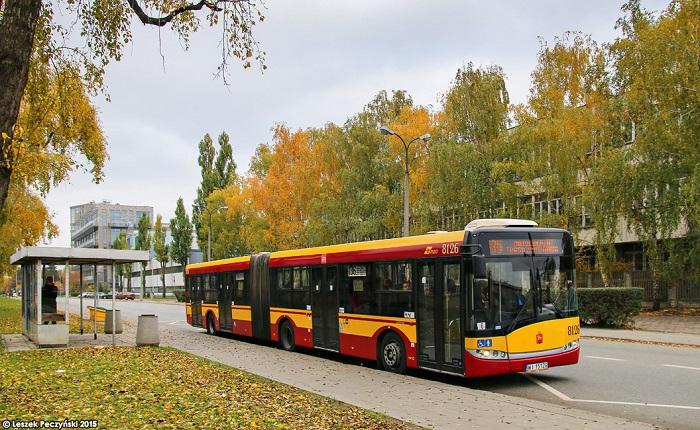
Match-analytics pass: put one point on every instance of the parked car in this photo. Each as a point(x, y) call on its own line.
point(90, 295)
point(126, 295)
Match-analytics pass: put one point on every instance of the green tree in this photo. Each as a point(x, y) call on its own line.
point(122, 269)
point(89, 35)
point(368, 205)
point(657, 81)
point(218, 170)
point(561, 132)
point(143, 243)
point(475, 114)
point(181, 231)
point(160, 248)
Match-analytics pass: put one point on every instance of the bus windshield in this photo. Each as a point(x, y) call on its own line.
point(521, 290)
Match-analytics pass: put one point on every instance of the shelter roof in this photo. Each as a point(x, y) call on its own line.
point(78, 255)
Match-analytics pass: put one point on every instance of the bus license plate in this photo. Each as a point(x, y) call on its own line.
point(534, 367)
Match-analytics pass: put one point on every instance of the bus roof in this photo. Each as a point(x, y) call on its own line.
point(400, 242)
point(235, 263)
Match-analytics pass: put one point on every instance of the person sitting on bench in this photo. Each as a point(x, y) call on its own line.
point(49, 294)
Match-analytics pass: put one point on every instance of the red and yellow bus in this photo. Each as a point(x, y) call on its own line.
point(498, 297)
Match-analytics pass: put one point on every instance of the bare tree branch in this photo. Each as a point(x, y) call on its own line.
point(161, 21)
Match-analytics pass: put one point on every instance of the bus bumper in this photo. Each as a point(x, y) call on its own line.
point(478, 367)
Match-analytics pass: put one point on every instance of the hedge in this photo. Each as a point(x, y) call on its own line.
point(179, 295)
point(612, 307)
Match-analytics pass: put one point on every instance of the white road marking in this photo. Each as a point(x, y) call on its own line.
point(548, 387)
point(681, 367)
point(604, 358)
point(177, 322)
point(566, 398)
point(695, 408)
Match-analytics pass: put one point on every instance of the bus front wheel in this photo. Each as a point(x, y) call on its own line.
point(392, 354)
point(287, 336)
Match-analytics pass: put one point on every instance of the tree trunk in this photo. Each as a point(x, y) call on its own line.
point(655, 299)
point(143, 280)
point(162, 277)
point(17, 27)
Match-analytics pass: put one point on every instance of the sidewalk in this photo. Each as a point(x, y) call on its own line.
point(425, 402)
point(674, 329)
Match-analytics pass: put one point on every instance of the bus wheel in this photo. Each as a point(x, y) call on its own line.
point(392, 354)
point(287, 336)
point(210, 325)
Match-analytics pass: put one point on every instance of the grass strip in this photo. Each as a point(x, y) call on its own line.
point(126, 387)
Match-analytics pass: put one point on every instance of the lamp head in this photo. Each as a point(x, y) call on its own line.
point(425, 137)
point(386, 130)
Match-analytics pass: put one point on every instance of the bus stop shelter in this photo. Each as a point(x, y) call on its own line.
point(52, 328)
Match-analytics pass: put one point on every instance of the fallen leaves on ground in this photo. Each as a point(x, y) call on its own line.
point(74, 321)
point(148, 387)
point(685, 312)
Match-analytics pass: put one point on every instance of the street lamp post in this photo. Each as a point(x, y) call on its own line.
point(407, 181)
point(208, 211)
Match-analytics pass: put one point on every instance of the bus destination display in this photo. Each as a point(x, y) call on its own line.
point(525, 246)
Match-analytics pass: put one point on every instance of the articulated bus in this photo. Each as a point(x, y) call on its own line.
point(498, 297)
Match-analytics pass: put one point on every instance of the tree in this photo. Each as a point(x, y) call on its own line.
point(121, 243)
point(284, 193)
point(464, 149)
point(218, 171)
point(160, 248)
point(657, 81)
point(143, 243)
point(410, 124)
point(181, 231)
point(99, 32)
point(368, 204)
point(26, 221)
point(561, 132)
point(47, 144)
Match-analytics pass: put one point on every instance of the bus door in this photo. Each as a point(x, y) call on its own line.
point(324, 307)
point(225, 287)
point(196, 297)
point(440, 338)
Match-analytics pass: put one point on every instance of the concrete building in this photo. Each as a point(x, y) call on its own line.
point(172, 271)
point(97, 225)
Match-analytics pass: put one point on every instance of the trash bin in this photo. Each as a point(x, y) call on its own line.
point(117, 322)
point(147, 331)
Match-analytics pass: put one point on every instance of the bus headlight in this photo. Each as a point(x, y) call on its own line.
point(488, 354)
point(571, 345)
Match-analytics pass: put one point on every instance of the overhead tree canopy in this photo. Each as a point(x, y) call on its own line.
point(53, 56)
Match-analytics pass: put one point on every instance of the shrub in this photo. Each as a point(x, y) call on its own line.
point(613, 307)
point(179, 295)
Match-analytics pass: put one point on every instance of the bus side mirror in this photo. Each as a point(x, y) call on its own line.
point(479, 267)
point(470, 249)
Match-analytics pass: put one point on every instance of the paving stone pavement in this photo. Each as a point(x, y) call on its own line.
point(16, 342)
point(420, 401)
point(689, 324)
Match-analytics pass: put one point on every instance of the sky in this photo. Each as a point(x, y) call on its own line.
point(326, 60)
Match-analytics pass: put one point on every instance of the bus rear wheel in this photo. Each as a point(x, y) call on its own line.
point(287, 336)
point(392, 354)
point(210, 325)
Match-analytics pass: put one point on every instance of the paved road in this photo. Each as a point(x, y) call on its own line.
point(648, 383)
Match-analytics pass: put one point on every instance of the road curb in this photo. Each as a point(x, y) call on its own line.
point(159, 303)
point(648, 342)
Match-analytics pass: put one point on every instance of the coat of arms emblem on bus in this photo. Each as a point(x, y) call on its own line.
point(539, 338)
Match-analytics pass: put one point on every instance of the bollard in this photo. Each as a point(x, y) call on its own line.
point(117, 323)
point(147, 331)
